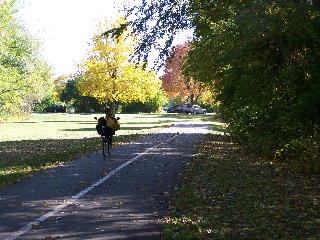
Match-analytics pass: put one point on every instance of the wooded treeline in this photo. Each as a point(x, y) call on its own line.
point(106, 77)
point(261, 58)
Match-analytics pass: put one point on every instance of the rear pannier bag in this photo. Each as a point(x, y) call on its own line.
point(101, 126)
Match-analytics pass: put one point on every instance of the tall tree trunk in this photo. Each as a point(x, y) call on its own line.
point(201, 90)
point(112, 106)
point(192, 98)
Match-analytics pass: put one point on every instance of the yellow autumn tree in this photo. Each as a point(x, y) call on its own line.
point(109, 76)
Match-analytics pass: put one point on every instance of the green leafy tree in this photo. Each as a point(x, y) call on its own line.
point(153, 105)
point(72, 95)
point(24, 76)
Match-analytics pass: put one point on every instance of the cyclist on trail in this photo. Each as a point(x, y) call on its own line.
point(107, 125)
point(106, 128)
point(112, 123)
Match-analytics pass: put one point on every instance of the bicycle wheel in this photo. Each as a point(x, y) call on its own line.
point(104, 147)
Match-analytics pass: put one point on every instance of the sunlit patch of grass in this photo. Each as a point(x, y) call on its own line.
point(21, 161)
point(23, 158)
point(218, 127)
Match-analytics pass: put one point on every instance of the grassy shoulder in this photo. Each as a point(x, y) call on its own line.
point(228, 194)
point(47, 140)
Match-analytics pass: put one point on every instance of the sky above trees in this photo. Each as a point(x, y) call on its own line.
point(65, 27)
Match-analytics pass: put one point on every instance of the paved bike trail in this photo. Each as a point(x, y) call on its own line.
point(122, 197)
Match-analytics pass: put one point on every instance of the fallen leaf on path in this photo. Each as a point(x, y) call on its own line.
point(52, 237)
point(142, 188)
point(17, 203)
point(35, 225)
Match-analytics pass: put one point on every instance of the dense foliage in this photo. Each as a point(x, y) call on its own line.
point(153, 105)
point(24, 76)
point(71, 95)
point(262, 57)
point(110, 76)
point(156, 21)
point(174, 82)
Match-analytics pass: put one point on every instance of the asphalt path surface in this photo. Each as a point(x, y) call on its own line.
point(120, 197)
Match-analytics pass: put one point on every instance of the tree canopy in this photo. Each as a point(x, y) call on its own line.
point(153, 22)
point(71, 95)
point(24, 76)
point(262, 57)
point(110, 76)
point(174, 82)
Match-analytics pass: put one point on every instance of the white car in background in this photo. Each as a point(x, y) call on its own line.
point(198, 110)
point(194, 109)
point(187, 108)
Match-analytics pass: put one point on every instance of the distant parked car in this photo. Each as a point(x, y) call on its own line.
point(187, 108)
point(195, 109)
point(173, 109)
point(54, 108)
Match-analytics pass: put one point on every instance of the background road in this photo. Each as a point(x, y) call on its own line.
point(126, 201)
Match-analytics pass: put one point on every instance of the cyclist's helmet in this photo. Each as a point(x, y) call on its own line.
point(107, 110)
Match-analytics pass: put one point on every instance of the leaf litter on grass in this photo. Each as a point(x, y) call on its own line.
point(228, 193)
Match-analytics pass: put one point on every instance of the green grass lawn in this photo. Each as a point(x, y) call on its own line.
point(49, 139)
